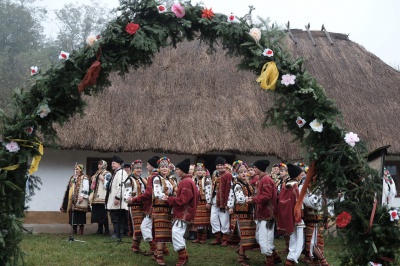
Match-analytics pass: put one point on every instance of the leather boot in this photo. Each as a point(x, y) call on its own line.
point(289, 263)
point(242, 260)
point(166, 250)
point(136, 246)
point(75, 229)
point(153, 248)
point(276, 257)
point(217, 240)
point(199, 235)
point(182, 257)
point(159, 257)
point(99, 229)
point(203, 238)
point(81, 226)
point(323, 262)
point(269, 261)
point(224, 240)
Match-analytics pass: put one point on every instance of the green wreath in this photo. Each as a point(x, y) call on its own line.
point(129, 42)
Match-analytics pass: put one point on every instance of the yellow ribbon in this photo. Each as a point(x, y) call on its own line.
point(10, 168)
point(269, 76)
point(36, 159)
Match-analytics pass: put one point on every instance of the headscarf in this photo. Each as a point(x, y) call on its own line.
point(103, 164)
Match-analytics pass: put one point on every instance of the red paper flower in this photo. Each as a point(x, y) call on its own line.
point(343, 219)
point(207, 13)
point(131, 28)
point(28, 130)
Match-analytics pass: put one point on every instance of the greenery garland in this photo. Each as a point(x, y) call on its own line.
point(131, 41)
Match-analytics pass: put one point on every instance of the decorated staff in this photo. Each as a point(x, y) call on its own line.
point(97, 198)
point(162, 220)
point(219, 217)
point(184, 209)
point(146, 198)
point(202, 219)
point(265, 212)
point(76, 199)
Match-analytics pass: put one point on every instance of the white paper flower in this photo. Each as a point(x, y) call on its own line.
point(63, 55)
point(43, 110)
point(288, 79)
point(351, 138)
point(161, 9)
point(268, 52)
point(393, 215)
point(34, 70)
point(232, 18)
point(12, 146)
point(374, 264)
point(91, 39)
point(300, 122)
point(255, 33)
point(316, 126)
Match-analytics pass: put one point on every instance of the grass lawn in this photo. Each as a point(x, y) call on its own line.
point(54, 249)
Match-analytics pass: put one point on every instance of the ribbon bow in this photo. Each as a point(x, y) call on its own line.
point(269, 76)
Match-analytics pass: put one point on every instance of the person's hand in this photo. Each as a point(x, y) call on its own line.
point(249, 199)
point(227, 208)
point(164, 197)
point(129, 199)
point(62, 209)
point(116, 202)
point(231, 211)
point(208, 206)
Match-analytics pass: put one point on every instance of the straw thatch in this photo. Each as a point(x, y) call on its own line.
point(191, 102)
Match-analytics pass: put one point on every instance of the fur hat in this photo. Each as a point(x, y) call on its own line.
point(184, 165)
point(117, 159)
point(220, 160)
point(261, 165)
point(153, 161)
point(293, 170)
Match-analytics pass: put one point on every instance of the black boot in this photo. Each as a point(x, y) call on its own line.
point(192, 235)
point(99, 229)
point(116, 231)
point(75, 228)
point(106, 229)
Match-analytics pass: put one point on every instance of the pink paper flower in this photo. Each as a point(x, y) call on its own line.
point(161, 9)
point(12, 146)
point(268, 52)
point(63, 55)
point(255, 33)
point(393, 215)
point(316, 126)
point(300, 122)
point(91, 39)
point(178, 10)
point(34, 70)
point(232, 18)
point(288, 79)
point(351, 139)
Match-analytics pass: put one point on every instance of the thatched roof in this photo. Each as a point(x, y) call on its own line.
point(191, 102)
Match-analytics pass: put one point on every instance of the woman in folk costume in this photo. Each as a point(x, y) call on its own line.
point(243, 213)
point(135, 210)
point(389, 189)
point(275, 172)
point(286, 219)
point(76, 199)
point(202, 218)
point(312, 216)
point(184, 209)
point(162, 219)
point(99, 212)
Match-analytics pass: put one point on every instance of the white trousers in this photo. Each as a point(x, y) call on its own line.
point(178, 231)
point(146, 228)
point(219, 220)
point(265, 237)
point(296, 244)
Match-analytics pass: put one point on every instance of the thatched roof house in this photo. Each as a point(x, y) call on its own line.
point(190, 102)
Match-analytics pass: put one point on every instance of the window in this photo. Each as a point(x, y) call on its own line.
point(394, 167)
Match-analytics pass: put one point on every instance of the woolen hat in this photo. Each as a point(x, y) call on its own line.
point(153, 161)
point(117, 159)
point(220, 160)
point(126, 165)
point(262, 165)
point(293, 170)
point(184, 165)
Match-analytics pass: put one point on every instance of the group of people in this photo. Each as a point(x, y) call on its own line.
point(241, 204)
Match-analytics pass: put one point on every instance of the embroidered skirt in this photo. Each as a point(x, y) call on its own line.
point(137, 218)
point(247, 231)
point(202, 217)
point(162, 224)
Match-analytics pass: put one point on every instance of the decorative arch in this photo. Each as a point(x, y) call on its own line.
point(129, 42)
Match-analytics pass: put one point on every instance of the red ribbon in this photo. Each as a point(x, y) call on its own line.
point(91, 76)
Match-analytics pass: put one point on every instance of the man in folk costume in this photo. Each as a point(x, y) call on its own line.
point(184, 206)
point(286, 219)
point(114, 198)
point(253, 178)
point(135, 210)
point(99, 212)
point(163, 185)
point(313, 219)
point(219, 217)
point(147, 200)
point(76, 199)
point(265, 212)
point(202, 217)
point(243, 213)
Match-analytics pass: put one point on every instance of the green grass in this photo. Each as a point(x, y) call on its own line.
point(54, 249)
